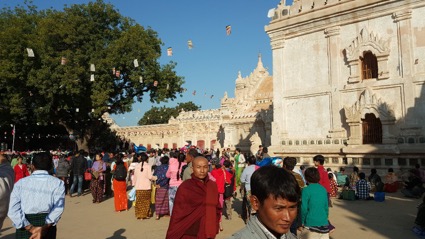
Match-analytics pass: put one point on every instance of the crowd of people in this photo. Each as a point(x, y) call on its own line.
point(194, 188)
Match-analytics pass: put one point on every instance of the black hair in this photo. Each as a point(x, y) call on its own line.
point(181, 158)
point(144, 158)
point(193, 152)
point(330, 175)
point(312, 175)
point(355, 169)
point(362, 175)
point(227, 164)
point(278, 182)
point(251, 159)
point(238, 149)
point(289, 163)
point(265, 150)
point(391, 170)
point(42, 161)
point(164, 160)
point(319, 158)
point(373, 171)
point(174, 154)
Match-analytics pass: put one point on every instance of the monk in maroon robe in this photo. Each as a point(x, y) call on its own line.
point(196, 210)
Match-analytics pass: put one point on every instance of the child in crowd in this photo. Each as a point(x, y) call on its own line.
point(314, 207)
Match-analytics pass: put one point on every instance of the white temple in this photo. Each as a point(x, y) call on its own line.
point(243, 121)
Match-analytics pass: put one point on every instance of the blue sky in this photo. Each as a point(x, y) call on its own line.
point(212, 66)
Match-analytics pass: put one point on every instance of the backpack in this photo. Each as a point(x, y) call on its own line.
point(120, 172)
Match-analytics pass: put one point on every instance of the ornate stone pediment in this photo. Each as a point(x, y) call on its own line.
point(367, 41)
point(369, 103)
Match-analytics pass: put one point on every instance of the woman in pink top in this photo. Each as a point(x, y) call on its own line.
point(142, 183)
point(175, 168)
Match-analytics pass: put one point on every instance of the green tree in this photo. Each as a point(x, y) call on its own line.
point(161, 115)
point(56, 86)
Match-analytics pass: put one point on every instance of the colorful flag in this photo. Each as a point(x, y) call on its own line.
point(136, 63)
point(30, 52)
point(92, 68)
point(194, 92)
point(169, 51)
point(189, 44)
point(63, 60)
point(228, 30)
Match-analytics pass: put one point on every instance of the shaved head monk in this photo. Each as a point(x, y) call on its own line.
point(196, 210)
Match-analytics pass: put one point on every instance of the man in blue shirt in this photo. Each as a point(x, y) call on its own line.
point(37, 202)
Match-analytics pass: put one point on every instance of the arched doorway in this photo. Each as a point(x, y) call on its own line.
point(372, 129)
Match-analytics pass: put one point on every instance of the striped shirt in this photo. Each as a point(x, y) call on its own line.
point(38, 193)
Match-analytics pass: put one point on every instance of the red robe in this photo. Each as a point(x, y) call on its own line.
point(21, 173)
point(196, 210)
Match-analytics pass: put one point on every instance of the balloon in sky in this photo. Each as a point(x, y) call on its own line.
point(189, 44)
point(169, 51)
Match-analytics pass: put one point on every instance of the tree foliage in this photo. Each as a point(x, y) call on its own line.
point(55, 87)
point(161, 115)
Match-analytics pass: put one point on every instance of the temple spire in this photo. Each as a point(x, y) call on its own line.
point(260, 66)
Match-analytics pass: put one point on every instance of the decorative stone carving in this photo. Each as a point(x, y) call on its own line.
point(367, 41)
point(369, 103)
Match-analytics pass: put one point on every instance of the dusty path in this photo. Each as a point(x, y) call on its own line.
point(353, 219)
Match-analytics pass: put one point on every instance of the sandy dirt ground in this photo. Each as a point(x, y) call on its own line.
point(392, 218)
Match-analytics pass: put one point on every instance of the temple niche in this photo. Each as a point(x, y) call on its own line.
point(243, 121)
point(348, 86)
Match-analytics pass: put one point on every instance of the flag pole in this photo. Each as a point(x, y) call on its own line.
point(13, 141)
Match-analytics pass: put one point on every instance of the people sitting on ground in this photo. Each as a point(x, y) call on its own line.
point(390, 185)
point(419, 227)
point(374, 179)
point(354, 177)
point(413, 187)
point(342, 179)
point(363, 188)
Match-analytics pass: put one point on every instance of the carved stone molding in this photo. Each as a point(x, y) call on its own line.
point(400, 16)
point(369, 103)
point(367, 41)
point(333, 31)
